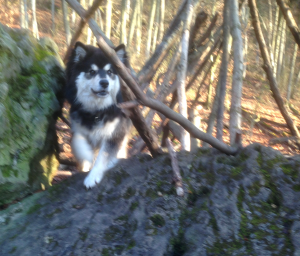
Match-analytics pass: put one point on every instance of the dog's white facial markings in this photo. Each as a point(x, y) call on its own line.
point(107, 67)
point(89, 100)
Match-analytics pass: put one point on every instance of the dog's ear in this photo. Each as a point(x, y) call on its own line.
point(80, 52)
point(121, 52)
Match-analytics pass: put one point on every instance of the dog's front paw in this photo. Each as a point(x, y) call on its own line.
point(92, 179)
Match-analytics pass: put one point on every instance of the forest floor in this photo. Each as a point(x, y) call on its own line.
point(256, 99)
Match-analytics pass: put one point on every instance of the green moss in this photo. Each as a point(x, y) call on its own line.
point(106, 252)
point(290, 171)
point(99, 198)
point(296, 187)
point(133, 206)
point(13, 250)
point(123, 218)
point(260, 159)
point(131, 244)
point(129, 193)
point(50, 215)
point(151, 193)
point(158, 220)
point(111, 232)
point(178, 243)
point(83, 235)
point(236, 171)
point(34, 208)
point(254, 189)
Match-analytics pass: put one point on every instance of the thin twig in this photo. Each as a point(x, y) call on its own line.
point(177, 177)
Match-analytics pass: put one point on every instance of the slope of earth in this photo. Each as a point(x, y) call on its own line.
point(247, 204)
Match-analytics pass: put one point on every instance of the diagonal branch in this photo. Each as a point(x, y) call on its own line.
point(88, 14)
point(268, 68)
point(154, 104)
point(289, 20)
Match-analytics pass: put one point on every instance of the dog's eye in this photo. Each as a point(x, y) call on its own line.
point(92, 72)
point(109, 72)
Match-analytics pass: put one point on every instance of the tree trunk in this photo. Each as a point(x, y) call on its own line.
point(290, 20)
point(123, 38)
point(53, 16)
point(223, 70)
point(270, 25)
point(237, 76)
point(281, 50)
point(274, 36)
point(161, 20)
point(185, 136)
point(66, 22)
point(155, 31)
point(133, 23)
point(35, 30)
point(150, 28)
point(108, 18)
point(277, 43)
point(22, 14)
point(268, 69)
point(89, 31)
point(139, 26)
point(288, 96)
point(211, 80)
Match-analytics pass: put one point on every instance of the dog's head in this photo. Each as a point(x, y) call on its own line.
point(92, 81)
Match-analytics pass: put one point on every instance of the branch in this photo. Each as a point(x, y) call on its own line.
point(177, 177)
point(154, 104)
point(88, 14)
point(268, 68)
point(290, 21)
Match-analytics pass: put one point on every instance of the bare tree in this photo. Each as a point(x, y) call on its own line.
point(35, 30)
point(237, 76)
point(289, 87)
point(268, 69)
point(23, 14)
point(133, 22)
point(223, 70)
point(123, 37)
point(150, 28)
point(66, 22)
point(185, 136)
point(53, 16)
point(108, 18)
point(290, 20)
point(161, 20)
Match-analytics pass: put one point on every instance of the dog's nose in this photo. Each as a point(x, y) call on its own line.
point(104, 83)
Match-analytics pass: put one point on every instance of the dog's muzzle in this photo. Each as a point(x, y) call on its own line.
point(100, 93)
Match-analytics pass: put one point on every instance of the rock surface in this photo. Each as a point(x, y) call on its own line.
point(247, 204)
point(31, 79)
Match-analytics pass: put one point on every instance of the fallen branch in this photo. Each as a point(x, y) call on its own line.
point(177, 177)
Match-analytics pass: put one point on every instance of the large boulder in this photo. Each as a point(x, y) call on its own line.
point(31, 80)
point(247, 204)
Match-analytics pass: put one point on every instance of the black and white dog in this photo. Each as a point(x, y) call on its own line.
point(99, 127)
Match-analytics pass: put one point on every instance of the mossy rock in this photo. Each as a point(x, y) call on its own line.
point(31, 83)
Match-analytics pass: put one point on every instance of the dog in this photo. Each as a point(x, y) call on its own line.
point(99, 127)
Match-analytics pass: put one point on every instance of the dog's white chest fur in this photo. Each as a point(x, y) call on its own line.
point(99, 127)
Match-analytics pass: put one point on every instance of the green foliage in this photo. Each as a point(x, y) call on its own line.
point(158, 220)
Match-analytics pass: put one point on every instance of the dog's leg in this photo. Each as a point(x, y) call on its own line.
point(82, 151)
point(106, 159)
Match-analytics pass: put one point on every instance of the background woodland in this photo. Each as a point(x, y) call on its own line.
point(204, 55)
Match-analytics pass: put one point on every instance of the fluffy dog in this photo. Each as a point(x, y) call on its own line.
point(99, 127)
